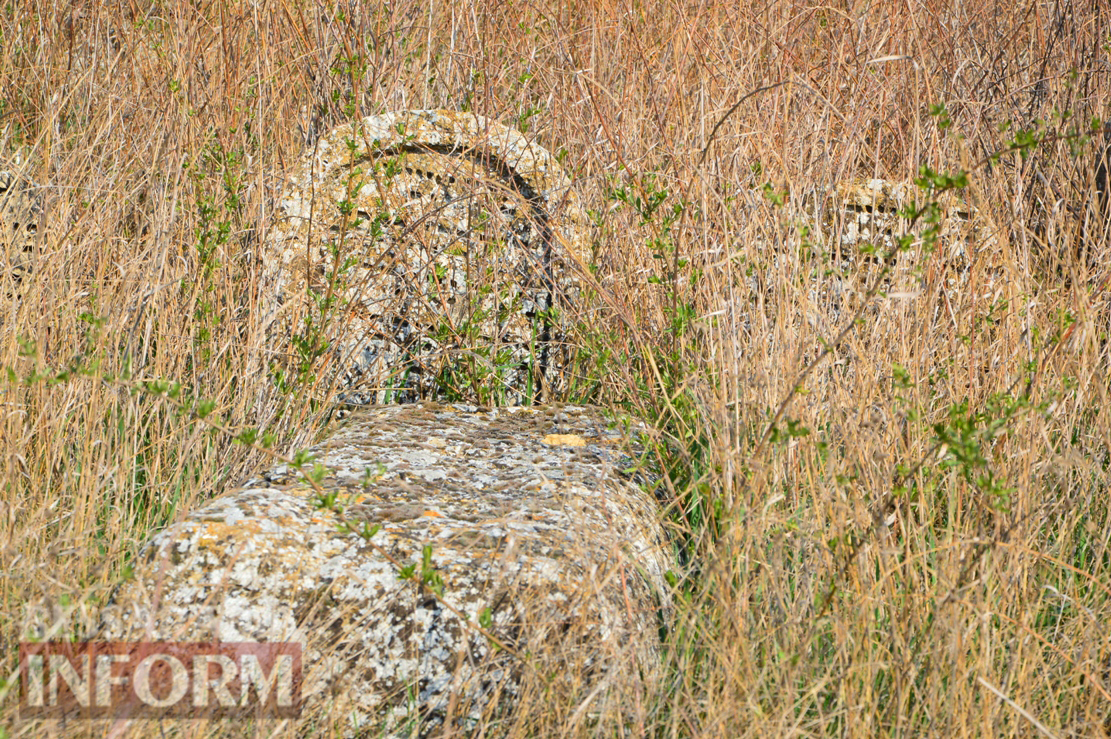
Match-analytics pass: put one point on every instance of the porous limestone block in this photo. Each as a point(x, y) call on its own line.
point(528, 517)
point(20, 213)
point(437, 253)
point(872, 211)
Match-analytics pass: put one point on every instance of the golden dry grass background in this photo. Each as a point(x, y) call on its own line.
point(920, 546)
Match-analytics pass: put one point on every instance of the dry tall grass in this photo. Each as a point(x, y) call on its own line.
point(919, 547)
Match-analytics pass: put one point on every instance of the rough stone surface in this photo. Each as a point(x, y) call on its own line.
point(450, 242)
point(20, 213)
point(871, 216)
point(855, 223)
point(868, 213)
point(526, 516)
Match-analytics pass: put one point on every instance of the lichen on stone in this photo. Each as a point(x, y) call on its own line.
point(448, 246)
point(20, 214)
point(552, 549)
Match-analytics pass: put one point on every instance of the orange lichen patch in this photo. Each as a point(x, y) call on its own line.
point(563, 440)
point(433, 514)
point(217, 532)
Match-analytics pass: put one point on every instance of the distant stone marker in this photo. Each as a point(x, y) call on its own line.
point(20, 212)
point(451, 243)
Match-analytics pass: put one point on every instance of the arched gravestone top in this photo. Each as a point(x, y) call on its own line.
point(450, 243)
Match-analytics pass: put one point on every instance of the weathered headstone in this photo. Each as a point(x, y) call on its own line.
point(436, 252)
point(540, 558)
point(20, 213)
point(872, 210)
